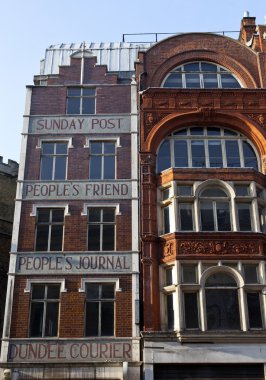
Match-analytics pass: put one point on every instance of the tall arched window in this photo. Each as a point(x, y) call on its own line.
point(222, 305)
point(200, 75)
point(206, 147)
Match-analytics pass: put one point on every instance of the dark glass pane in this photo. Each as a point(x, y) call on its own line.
point(108, 214)
point(166, 194)
point(57, 215)
point(169, 276)
point(223, 216)
point(215, 154)
point(94, 237)
point(108, 242)
point(38, 291)
point(181, 154)
point(232, 154)
point(36, 319)
point(208, 67)
point(183, 132)
point(166, 218)
point(74, 91)
point(244, 217)
point(191, 310)
point(242, 190)
point(88, 92)
point(192, 81)
point(222, 309)
point(48, 148)
point(186, 218)
point(213, 131)
point(51, 322)
point(61, 148)
point(189, 274)
point(92, 319)
point(96, 148)
point(94, 214)
point(109, 148)
point(184, 190)
point(174, 80)
point(192, 66)
point(228, 81)
point(220, 279)
point(107, 319)
point(227, 132)
point(93, 291)
point(210, 81)
point(42, 238)
point(88, 105)
point(196, 131)
point(254, 310)
point(164, 157)
point(108, 291)
point(96, 167)
point(56, 238)
point(250, 273)
point(249, 156)
point(60, 168)
point(198, 154)
point(213, 192)
point(73, 106)
point(53, 292)
point(46, 168)
point(109, 167)
point(170, 312)
point(43, 215)
point(207, 219)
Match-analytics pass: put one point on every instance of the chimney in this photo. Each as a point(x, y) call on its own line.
point(247, 28)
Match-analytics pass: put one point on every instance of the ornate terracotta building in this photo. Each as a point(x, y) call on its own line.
point(202, 205)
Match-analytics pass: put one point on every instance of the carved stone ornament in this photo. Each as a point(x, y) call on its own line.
point(259, 118)
point(207, 247)
point(152, 118)
point(206, 113)
point(147, 159)
point(147, 260)
point(168, 249)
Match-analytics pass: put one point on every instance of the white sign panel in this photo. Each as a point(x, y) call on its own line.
point(76, 190)
point(82, 124)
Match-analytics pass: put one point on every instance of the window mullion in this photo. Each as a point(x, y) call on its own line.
point(44, 311)
point(214, 208)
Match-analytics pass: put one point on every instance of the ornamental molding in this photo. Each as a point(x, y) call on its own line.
point(221, 247)
point(259, 118)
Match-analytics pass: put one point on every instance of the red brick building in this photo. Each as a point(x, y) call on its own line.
point(202, 176)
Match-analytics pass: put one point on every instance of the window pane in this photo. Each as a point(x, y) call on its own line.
point(57, 215)
point(213, 131)
point(213, 192)
point(94, 237)
point(210, 81)
point(169, 276)
point(174, 80)
point(73, 106)
point(51, 321)
point(254, 310)
point(220, 279)
point(166, 217)
point(61, 148)
point(198, 154)
point(108, 214)
point(191, 310)
point(222, 309)
point(88, 105)
point(181, 154)
point(46, 168)
point(250, 273)
point(189, 274)
point(109, 167)
point(108, 291)
point(244, 220)
point(96, 167)
point(242, 190)
point(184, 190)
point(192, 80)
point(196, 131)
point(74, 91)
point(96, 148)
point(93, 291)
point(43, 215)
point(164, 158)
point(228, 81)
point(208, 67)
point(215, 154)
point(53, 292)
point(191, 66)
point(249, 156)
point(186, 217)
point(88, 92)
point(109, 148)
point(107, 319)
point(60, 168)
point(48, 148)
point(232, 154)
point(108, 238)
point(42, 238)
point(94, 214)
point(56, 238)
point(38, 291)
point(223, 216)
point(170, 312)
point(207, 219)
point(36, 319)
point(92, 319)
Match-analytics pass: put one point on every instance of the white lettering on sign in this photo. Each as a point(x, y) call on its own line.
point(88, 124)
point(76, 263)
point(76, 190)
point(61, 351)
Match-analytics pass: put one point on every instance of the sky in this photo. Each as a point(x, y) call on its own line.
point(28, 27)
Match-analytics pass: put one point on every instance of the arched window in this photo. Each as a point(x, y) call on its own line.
point(200, 75)
point(214, 210)
point(206, 147)
point(222, 305)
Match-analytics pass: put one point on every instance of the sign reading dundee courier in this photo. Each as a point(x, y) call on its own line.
point(73, 125)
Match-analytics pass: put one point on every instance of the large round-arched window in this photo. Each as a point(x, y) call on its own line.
point(200, 75)
point(206, 147)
